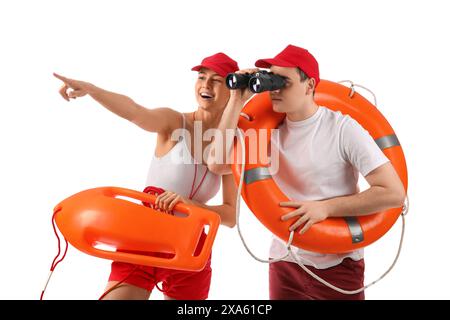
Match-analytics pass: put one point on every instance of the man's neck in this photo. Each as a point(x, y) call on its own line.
point(304, 113)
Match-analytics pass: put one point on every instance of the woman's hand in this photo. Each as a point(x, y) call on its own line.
point(168, 199)
point(78, 88)
point(242, 95)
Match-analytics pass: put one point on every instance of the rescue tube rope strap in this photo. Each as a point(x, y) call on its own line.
point(259, 175)
point(55, 262)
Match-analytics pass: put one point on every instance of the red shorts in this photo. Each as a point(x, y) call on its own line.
point(180, 285)
point(287, 281)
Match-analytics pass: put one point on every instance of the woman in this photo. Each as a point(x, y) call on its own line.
point(186, 181)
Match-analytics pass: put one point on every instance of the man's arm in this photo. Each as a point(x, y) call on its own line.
point(386, 191)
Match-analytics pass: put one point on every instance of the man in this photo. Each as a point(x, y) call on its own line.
point(321, 153)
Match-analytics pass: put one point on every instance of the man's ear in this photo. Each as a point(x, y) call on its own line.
point(311, 86)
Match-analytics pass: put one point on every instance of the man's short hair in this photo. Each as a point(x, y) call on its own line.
point(304, 77)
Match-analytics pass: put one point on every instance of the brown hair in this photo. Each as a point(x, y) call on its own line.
point(304, 77)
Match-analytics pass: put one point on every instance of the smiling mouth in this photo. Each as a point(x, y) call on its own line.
point(206, 96)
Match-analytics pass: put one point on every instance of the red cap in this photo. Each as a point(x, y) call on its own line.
point(219, 63)
point(292, 57)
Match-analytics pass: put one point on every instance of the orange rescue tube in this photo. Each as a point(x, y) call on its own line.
point(101, 217)
point(262, 195)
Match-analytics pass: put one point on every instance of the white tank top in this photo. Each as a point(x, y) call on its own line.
point(175, 171)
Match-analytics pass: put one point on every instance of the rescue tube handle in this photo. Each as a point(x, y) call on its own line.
point(128, 256)
point(142, 196)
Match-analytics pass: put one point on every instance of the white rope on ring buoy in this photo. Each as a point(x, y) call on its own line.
point(352, 92)
point(238, 205)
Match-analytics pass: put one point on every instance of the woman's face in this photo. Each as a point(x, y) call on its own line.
point(210, 90)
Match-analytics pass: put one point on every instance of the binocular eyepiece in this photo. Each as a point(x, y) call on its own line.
point(257, 82)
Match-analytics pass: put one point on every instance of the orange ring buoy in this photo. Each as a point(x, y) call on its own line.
point(141, 235)
point(262, 195)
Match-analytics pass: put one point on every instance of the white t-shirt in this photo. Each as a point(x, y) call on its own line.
point(320, 158)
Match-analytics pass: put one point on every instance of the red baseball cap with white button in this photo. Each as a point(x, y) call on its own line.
point(219, 63)
point(292, 57)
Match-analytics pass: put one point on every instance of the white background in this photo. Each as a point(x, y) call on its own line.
point(51, 149)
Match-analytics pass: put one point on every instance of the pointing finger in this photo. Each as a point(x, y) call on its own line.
point(67, 81)
point(60, 77)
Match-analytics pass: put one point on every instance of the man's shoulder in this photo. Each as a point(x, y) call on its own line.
point(332, 117)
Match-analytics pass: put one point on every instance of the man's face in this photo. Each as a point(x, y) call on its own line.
point(294, 95)
point(210, 90)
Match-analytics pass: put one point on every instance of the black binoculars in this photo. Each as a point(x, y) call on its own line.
point(257, 82)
